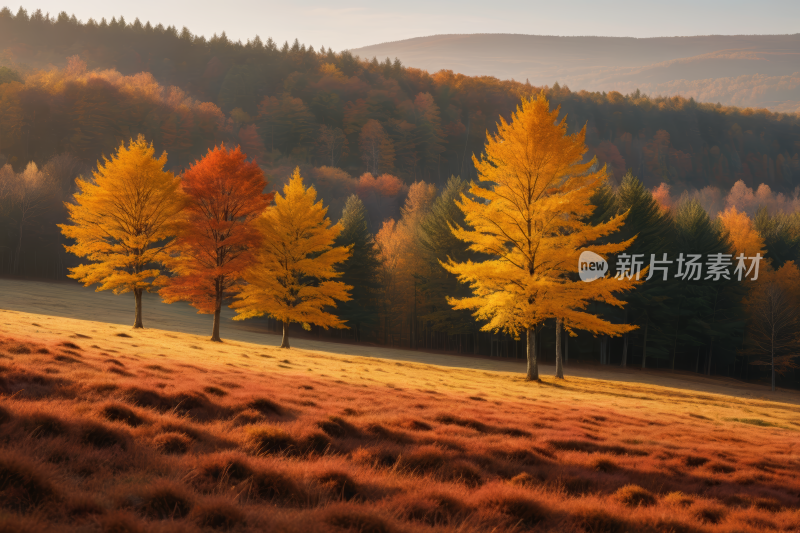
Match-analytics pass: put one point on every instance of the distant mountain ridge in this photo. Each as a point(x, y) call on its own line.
point(741, 70)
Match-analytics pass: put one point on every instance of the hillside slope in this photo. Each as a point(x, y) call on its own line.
point(741, 70)
point(109, 429)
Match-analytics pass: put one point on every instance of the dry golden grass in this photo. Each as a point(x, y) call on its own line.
point(104, 428)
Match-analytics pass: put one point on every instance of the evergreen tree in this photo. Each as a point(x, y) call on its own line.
point(360, 270)
point(438, 245)
point(707, 312)
point(781, 234)
point(651, 230)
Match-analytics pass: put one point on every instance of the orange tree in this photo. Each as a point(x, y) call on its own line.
point(293, 276)
point(124, 221)
point(532, 225)
point(224, 195)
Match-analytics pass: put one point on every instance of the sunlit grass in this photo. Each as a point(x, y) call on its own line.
point(105, 428)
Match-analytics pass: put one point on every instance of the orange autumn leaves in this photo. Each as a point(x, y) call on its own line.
point(213, 229)
point(217, 239)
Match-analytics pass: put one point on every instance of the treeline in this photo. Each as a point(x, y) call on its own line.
point(319, 107)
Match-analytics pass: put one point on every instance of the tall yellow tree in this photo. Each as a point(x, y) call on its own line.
point(124, 220)
point(292, 278)
point(532, 222)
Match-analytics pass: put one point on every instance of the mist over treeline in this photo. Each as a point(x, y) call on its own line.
point(740, 196)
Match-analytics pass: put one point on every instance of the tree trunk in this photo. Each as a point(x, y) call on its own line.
point(217, 313)
point(710, 354)
point(624, 362)
point(644, 345)
point(137, 323)
point(533, 367)
point(285, 340)
point(559, 362)
point(772, 359)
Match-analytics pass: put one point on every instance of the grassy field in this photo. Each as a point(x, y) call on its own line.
point(103, 428)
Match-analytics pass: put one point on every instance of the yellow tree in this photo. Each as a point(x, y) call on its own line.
point(401, 256)
point(292, 278)
point(742, 233)
point(124, 220)
point(532, 223)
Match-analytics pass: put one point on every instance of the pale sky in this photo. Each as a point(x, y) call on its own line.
point(343, 25)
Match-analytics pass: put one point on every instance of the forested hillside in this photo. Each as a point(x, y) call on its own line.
point(323, 108)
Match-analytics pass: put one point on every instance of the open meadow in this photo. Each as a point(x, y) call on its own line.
point(105, 428)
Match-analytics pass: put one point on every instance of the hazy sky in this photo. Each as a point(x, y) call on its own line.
point(344, 25)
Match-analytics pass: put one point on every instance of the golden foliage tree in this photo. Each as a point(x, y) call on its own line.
point(292, 278)
point(742, 233)
point(401, 256)
point(532, 223)
point(124, 221)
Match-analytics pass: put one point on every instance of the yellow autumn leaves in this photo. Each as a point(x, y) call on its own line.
point(532, 223)
point(292, 279)
point(125, 220)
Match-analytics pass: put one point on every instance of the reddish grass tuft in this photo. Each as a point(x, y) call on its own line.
point(601, 521)
point(172, 443)
point(522, 512)
point(219, 514)
point(23, 484)
point(432, 508)
point(101, 436)
point(82, 506)
point(163, 500)
point(768, 504)
point(216, 391)
point(223, 469)
point(5, 415)
point(710, 513)
point(117, 412)
point(693, 460)
point(417, 425)
point(42, 426)
point(265, 407)
point(356, 520)
point(269, 440)
point(524, 479)
point(678, 498)
point(120, 521)
point(338, 427)
point(273, 486)
point(381, 456)
point(340, 485)
point(71, 346)
point(634, 496)
point(19, 349)
point(591, 447)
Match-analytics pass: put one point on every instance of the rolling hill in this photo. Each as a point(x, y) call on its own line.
point(741, 70)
